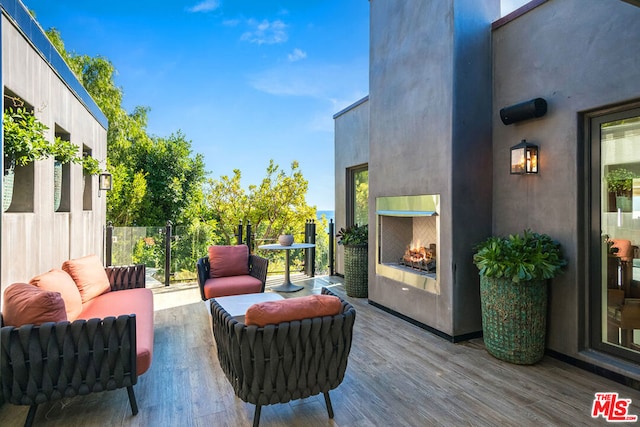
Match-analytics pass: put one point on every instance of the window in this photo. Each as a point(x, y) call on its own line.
point(358, 195)
point(615, 232)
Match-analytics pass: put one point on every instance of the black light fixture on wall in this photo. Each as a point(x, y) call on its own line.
point(105, 181)
point(524, 158)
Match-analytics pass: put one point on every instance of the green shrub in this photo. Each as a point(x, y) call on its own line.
point(531, 256)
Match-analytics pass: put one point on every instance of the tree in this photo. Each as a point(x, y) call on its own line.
point(275, 206)
point(174, 180)
point(227, 203)
point(155, 179)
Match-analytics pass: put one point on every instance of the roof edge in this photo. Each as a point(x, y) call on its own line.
point(351, 107)
point(20, 17)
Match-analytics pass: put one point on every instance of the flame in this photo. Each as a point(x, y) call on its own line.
point(416, 252)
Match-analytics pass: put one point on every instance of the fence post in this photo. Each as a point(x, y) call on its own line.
point(167, 253)
point(249, 237)
point(108, 240)
point(239, 235)
point(312, 251)
point(306, 251)
point(331, 243)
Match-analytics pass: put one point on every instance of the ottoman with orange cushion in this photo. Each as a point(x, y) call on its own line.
point(76, 330)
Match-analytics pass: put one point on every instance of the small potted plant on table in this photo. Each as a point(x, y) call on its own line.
point(514, 272)
point(355, 240)
point(286, 238)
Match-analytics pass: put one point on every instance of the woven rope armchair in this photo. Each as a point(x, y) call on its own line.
point(284, 362)
point(257, 268)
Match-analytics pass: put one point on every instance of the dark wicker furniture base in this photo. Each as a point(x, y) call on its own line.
point(284, 362)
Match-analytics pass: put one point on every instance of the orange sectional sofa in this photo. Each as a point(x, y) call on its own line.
point(73, 331)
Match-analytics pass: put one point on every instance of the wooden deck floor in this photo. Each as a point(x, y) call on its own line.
point(398, 375)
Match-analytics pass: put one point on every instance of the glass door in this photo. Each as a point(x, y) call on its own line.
point(618, 168)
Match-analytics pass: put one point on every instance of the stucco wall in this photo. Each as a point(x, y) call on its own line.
point(34, 242)
point(430, 133)
point(579, 55)
point(351, 149)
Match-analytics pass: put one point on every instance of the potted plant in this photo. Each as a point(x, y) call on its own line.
point(514, 272)
point(90, 165)
point(355, 240)
point(63, 152)
point(620, 183)
point(24, 142)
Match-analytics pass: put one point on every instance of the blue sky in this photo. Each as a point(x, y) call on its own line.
point(245, 80)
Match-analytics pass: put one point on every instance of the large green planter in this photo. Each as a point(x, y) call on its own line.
point(356, 270)
point(57, 185)
point(514, 319)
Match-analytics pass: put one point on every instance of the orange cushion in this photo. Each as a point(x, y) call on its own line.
point(25, 304)
point(138, 301)
point(225, 261)
point(89, 275)
point(233, 285)
point(286, 310)
point(60, 281)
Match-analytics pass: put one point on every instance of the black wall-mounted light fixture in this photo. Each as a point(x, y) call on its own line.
point(524, 158)
point(105, 181)
point(525, 110)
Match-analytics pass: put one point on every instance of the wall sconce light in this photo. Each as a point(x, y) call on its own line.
point(105, 181)
point(524, 158)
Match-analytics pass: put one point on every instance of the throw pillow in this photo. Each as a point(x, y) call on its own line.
point(25, 304)
point(59, 281)
point(89, 275)
point(286, 310)
point(225, 261)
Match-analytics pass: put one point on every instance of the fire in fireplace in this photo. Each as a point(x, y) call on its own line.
point(403, 224)
point(420, 257)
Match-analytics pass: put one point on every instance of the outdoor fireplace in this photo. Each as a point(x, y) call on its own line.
point(407, 240)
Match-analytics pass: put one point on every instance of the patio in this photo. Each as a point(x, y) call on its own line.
point(398, 374)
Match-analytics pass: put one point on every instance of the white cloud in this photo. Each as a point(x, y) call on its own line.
point(204, 6)
point(296, 55)
point(333, 83)
point(266, 32)
point(231, 22)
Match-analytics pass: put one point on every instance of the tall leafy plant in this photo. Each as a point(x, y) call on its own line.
point(354, 235)
point(90, 165)
point(528, 257)
point(24, 140)
point(64, 151)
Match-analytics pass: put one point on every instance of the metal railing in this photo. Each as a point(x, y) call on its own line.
point(170, 253)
